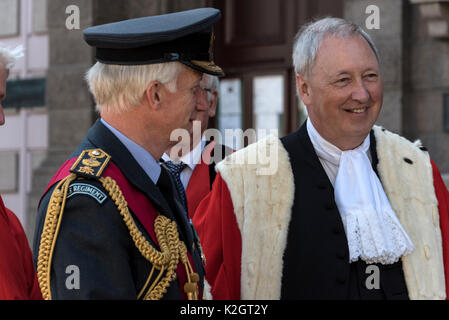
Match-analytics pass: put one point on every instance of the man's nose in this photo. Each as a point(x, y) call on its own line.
point(201, 103)
point(360, 93)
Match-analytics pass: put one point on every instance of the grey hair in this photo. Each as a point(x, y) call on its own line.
point(212, 83)
point(118, 88)
point(8, 56)
point(309, 38)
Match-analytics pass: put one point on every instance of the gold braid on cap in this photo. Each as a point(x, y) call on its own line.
point(165, 261)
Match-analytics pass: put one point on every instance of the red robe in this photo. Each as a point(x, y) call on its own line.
point(18, 280)
point(222, 242)
point(199, 182)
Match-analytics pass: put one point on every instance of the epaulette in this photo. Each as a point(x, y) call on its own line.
point(91, 163)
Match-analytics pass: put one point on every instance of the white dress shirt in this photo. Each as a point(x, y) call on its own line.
point(322, 146)
point(191, 160)
point(373, 231)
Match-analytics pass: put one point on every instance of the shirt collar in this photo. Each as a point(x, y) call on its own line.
point(326, 150)
point(142, 156)
point(193, 157)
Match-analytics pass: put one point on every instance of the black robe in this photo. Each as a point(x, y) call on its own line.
point(316, 259)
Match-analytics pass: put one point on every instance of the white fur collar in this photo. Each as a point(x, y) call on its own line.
point(269, 199)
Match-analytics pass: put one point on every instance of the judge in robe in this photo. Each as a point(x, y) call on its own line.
point(342, 209)
point(18, 280)
point(193, 168)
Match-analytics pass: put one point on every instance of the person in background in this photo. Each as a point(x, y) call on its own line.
point(194, 172)
point(18, 278)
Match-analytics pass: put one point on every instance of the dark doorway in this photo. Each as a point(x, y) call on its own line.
point(253, 44)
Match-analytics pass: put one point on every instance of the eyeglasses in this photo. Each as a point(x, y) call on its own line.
point(206, 89)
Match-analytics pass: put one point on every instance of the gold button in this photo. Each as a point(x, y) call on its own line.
point(96, 153)
point(435, 217)
point(427, 252)
point(251, 268)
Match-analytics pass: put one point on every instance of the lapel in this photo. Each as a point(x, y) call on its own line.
point(101, 137)
point(373, 152)
point(309, 155)
point(317, 238)
point(310, 174)
point(180, 211)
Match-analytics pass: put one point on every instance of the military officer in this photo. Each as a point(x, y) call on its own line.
point(111, 224)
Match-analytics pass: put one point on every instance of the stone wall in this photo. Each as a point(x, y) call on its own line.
point(388, 40)
point(415, 70)
point(70, 106)
point(414, 67)
point(428, 68)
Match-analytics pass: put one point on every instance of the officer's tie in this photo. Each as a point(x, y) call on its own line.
point(175, 170)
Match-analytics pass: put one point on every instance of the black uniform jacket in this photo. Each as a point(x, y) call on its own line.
point(94, 242)
point(320, 237)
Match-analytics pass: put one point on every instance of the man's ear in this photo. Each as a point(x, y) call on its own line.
point(153, 94)
point(213, 105)
point(303, 89)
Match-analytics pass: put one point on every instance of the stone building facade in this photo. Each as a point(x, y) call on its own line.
point(412, 38)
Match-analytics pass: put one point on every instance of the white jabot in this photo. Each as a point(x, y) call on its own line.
point(374, 233)
point(328, 154)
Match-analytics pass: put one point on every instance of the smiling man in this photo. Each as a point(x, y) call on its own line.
point(343, 90)
point(353, 211)
point(111, 224)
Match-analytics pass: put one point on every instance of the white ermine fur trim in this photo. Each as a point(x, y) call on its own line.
point(207, 294)
point(406, 175)
point(262, 196)
point(262, 205)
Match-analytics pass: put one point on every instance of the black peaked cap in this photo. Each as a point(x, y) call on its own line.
point(185, 36)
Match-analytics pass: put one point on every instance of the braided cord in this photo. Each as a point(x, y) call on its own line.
point(50, 231)
point(172, 249)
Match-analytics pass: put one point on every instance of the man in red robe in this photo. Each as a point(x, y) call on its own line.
point(17, 275)
point(197, 167)
point(341, 208)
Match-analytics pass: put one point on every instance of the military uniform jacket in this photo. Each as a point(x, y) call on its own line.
point(94, 256)
point(280, 235)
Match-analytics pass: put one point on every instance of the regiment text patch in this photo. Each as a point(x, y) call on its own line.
point(87, 189)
